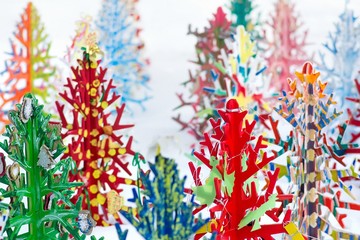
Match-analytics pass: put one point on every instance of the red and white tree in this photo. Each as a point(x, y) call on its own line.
point(285, 45)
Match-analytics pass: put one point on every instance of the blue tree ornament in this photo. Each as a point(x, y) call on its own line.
point(119, 38)
point(343, 50)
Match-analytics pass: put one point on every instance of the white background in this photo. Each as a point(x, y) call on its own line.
point(165, 24)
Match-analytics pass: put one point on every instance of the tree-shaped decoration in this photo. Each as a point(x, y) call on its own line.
point(208, 50)
point(241, 14)
point(163, 213)
point(343, 50)
point(39, 197)
point(96, 140)
point(234, 156)
point(242, 71)
point(355, 115)
point(285, 47)
point(83, 28)
point(242, 11)
point(306, 108)
point(120, 38)
point(29, 67)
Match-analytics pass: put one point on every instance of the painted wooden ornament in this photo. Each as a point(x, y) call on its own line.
point(45, 158)
point(2, 165)
point(26, 110)
point(114, 201)
point(13, 171)
point(85, 222)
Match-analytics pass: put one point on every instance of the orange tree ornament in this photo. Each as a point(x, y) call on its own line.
point(29, 67)
point(231, 191)
point(96, 140)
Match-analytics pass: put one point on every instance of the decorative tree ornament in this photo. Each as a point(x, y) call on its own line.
point(343, 51)
point(45, 158)
point(95, 136)
point(120, 38)
point(29, 68)
point(285, 51)
point(244, 78)
point(241, 14)
point(39, 196)
point(210, 43)
point(163, 213)
point(85, 222)
point(26, 110)
point(231, 191)
point(306, 108)
point(355, 116)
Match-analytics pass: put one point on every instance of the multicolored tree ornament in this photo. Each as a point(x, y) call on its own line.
point(95, 138)
point(39, 196)
point(355, 115)
point(306, 108)
point(83, 28)
point(241, 13)
point(29, 68)
point(343, 50)
point(120, 39)
point(285, 48)
point(231, 191)
point(242, 71)
point(209, 44)
point(163, 213)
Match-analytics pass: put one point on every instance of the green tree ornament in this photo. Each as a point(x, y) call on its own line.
point(38, 192)
point(163, 213)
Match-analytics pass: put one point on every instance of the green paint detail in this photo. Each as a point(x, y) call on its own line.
point(254, 216)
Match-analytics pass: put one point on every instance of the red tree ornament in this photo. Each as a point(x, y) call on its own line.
point(231, 191)
point(96, 141)
point(285, 50)
point(209, 44)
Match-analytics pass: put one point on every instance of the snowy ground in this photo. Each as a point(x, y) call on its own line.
point(165, 24)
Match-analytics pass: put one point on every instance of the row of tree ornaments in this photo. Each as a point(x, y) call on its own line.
point(31, 68)
point(257, 73)
point(232, 195)
point(94, 137)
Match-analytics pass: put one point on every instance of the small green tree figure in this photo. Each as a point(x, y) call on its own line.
point(33, 145)
point(163, 213)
